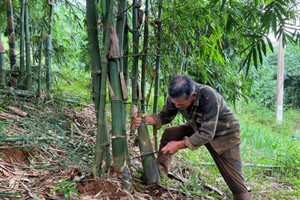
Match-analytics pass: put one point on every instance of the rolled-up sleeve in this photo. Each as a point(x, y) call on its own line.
point(167, 114)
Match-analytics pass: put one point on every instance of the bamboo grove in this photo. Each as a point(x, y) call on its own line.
point(24, 74)
point(134, 48)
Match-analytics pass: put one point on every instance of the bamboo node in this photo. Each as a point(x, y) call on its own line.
point(117, 137)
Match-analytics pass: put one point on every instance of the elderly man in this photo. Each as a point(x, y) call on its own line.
point(209, 122)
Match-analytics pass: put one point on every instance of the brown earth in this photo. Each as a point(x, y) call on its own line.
point(14, 155)
point(31, 169)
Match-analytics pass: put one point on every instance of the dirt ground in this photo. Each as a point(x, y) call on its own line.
point(54, 144)
point(33, 160)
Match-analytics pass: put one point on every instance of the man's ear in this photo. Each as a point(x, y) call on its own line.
point(194, 95)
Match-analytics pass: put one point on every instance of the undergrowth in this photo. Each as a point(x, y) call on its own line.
point(270, 154)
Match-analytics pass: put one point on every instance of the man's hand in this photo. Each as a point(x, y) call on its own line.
point(173, 147)
point(137, 120)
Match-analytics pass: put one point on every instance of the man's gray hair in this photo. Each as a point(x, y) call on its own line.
point(181, 87)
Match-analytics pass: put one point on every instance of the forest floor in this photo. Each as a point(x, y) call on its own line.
point(52, 148)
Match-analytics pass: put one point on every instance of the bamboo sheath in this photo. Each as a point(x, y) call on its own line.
point(148, 160)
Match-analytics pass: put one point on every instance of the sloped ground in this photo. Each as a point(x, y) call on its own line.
point(52, 148)
point(54, 144)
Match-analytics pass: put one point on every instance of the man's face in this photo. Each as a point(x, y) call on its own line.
point(183, 103)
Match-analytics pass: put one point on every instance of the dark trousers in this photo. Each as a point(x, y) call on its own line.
point(229, 163)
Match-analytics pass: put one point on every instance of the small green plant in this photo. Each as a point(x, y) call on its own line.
point(66, 187)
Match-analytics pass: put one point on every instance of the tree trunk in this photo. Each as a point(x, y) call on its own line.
point(280, 82)
point(157, 69)
point(144, 58)
point(2, 72)
point(49, 48)
point(28, 53)
point(12, 43)
point(22, 41)
point(101, 112)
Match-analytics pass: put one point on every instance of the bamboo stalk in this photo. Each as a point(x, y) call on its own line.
point(49, 48)
point(21, 93)
point(148, 159)
point(119, 144)
point(22, 41)
point(27, 47)
point(101, 131)
point(92, 30)
point(12, 43)
point(2, 71)
point(157, 69)
point(39, 78)
point(135, 35)
point(144, 58)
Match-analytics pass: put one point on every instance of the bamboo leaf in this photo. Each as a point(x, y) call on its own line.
point(282, 12)
point(259, 53)
point(263, 45)
point(222, 5)
point(254, 57)
point(248, 62)
point(270, 44)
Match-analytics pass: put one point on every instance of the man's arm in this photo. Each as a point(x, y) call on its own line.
point(167, 114)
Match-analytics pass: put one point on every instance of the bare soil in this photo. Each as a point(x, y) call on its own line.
point(33, 160)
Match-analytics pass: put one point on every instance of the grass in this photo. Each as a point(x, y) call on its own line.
point(73, 85)
point(270, 153)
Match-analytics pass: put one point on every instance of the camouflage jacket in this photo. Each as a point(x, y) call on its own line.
point(209, 116)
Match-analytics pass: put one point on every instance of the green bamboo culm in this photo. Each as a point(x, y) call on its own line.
point(119, 143)
point(157, 69)
point(2, 72)
point(125, 52)
point(145, 145)
point(11, 43)
point(121, 20)
point(104, 161)
point(151, 174)
point(49, 48)
point(101, 131)
point(118, 101)
point(118, 108)
point(135, 35)
point(27, 48)
point(22, 42)
point(38, 74)
point(122, 34)
point(144, 58)
point(92, 30)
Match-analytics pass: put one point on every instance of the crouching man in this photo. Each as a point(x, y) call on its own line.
point(209, 122)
